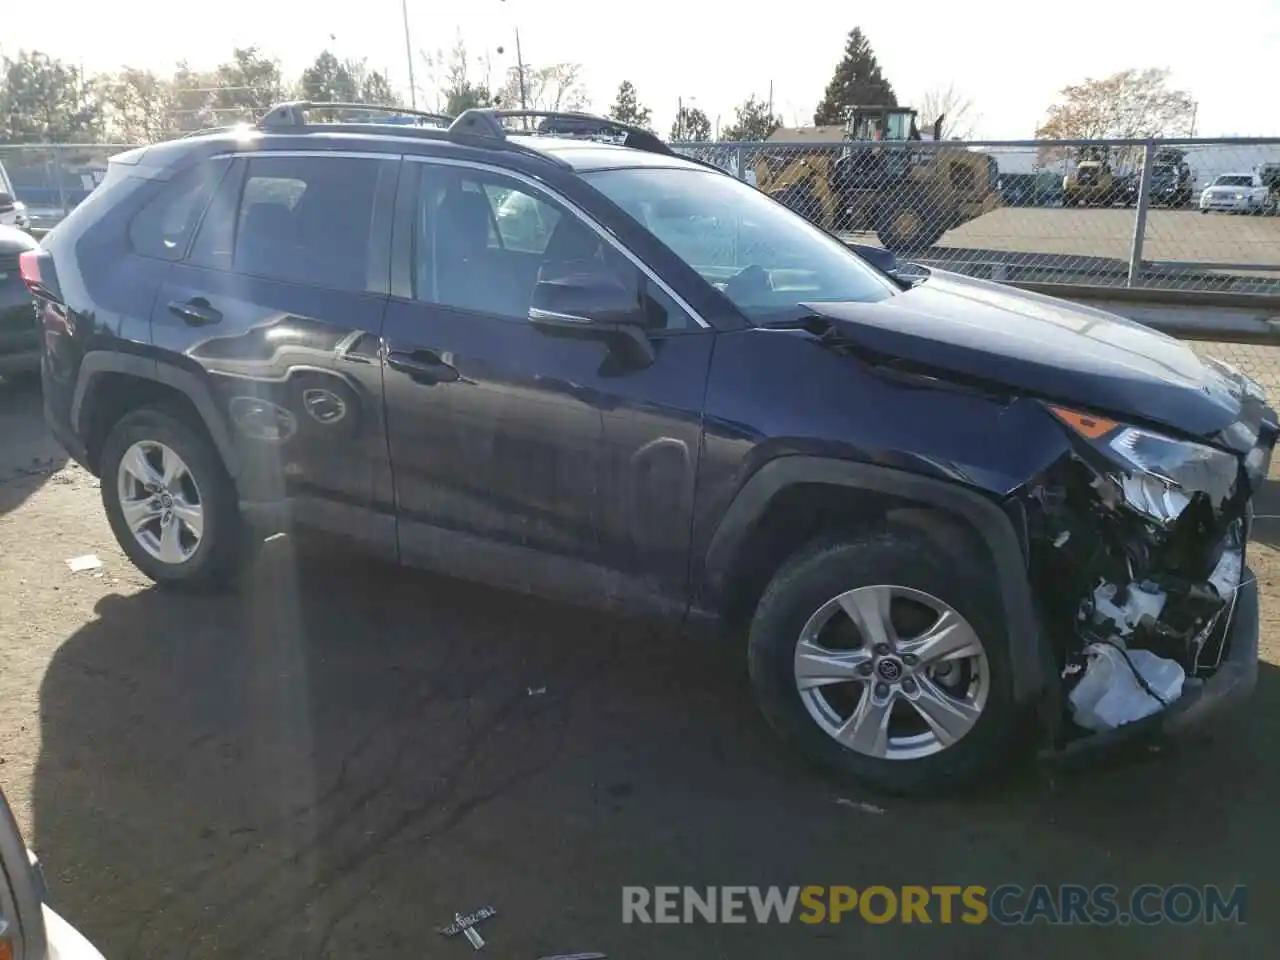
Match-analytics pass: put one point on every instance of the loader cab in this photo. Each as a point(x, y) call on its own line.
point(881, 123)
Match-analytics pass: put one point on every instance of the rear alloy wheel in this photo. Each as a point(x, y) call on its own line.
point(170, 502)
point(160, 501)
point(883, 659)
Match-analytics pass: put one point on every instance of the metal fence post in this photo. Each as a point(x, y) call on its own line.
point(1140, 215)
point(57, 175)
point(740, 161)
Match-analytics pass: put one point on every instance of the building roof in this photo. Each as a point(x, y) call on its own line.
point(829, 133)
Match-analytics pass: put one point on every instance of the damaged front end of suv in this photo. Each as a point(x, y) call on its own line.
point(1136, 544)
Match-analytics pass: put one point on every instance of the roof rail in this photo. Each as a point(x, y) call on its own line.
point(486, 123)
point(293, 113)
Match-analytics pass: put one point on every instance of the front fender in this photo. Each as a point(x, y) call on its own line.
point(1029, 652)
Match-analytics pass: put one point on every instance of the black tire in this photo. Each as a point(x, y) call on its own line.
point(930, 225)
point(226, 546)
point(828, 568)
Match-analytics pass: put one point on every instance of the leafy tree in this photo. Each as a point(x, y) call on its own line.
point(43, 100)
point(627, 109)
point(752, 121)
point(139, 106)
point(960, 119)
point(192, 93)
point(376, 88)
point(1131, 104)
point(328, 79)
point(857, 81)
point(248, 84)
point(461, 91)
point(691, 124)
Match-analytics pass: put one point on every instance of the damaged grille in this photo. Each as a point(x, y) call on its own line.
point(1139, 566)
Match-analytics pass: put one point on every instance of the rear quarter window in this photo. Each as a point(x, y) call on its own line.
point(163, 227)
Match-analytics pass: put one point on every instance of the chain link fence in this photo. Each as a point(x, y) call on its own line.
point(50, 180)
point(1196, 215)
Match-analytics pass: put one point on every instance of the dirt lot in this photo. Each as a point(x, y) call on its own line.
point(333, 761)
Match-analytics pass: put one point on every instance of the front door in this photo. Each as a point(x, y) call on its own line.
point(530, 460)
point(280, 303)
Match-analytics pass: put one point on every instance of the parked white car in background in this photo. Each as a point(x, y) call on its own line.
point(1235, 193)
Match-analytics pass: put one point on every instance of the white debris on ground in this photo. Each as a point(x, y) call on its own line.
point(859, 805)
point(88, 561)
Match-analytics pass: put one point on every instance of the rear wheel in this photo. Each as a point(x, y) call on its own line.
point(170, 502)
point(881, 662)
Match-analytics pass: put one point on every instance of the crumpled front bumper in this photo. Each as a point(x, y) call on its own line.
point(1202, 705)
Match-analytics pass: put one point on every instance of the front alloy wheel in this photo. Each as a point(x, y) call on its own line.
point(891, 672)
point(882, 656)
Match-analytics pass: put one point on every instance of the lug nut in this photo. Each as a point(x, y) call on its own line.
point(882, 649)
point(910, 659)
point(908, 685)
point(864, 669)
point(882, 690)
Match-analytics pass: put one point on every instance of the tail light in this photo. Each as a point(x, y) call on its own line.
point(29, 269)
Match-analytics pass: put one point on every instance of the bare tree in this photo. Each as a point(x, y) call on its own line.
point(1131, 104)
point(959, 117)
point(557, 87)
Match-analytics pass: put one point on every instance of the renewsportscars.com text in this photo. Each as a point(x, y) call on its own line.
point(1007, 904)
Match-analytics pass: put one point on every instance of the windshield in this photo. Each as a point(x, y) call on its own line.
point(764, 258)
point(1233, 180)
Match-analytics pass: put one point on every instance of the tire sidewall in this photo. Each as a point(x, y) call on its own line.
point(822, 573)
point(221, 520)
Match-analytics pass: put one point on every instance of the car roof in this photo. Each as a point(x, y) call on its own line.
point(518, 150)
point(585, 155)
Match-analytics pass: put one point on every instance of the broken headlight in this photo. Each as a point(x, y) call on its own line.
point(1158, 474)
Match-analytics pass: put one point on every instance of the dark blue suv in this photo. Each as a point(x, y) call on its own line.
point(934, 513)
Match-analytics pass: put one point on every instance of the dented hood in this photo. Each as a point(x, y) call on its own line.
point(1043, 346)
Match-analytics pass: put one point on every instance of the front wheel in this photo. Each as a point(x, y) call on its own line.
point(882, 663)
point(170, 502)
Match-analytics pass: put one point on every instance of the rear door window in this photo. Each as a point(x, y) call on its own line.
point(163, 227)
point(299, 219)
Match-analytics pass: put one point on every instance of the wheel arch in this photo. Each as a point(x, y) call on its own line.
point(743, 550)
point(110, 384)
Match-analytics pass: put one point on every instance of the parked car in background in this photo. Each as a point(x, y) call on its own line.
point(1236, 193)
point(19, 334)
point(921, 506)
point(13, 212)
point(30, 929)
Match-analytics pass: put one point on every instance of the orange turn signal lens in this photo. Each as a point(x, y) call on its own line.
point(1085, 424)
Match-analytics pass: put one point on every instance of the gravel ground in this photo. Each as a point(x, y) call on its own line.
point(334, 760)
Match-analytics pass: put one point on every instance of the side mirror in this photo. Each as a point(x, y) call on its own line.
point(593, 306)
point(6, 200)
point(878, 257)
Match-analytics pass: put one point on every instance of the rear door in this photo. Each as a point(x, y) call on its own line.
point(280, 304)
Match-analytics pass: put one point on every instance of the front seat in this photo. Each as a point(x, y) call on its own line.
point(470, 275)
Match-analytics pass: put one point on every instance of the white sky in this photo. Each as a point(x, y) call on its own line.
point(1009, 56)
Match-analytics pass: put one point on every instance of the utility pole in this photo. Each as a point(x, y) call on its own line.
point(524, 102)
point(680, 118)
point(408, 52)
point(1195, 108)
